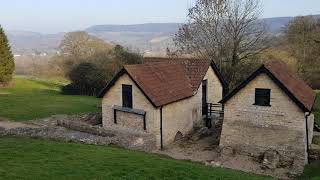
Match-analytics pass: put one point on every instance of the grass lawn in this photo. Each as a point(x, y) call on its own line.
point(30, 99)
point(24, 158)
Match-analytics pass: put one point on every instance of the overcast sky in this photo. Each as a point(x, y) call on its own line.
point(52, 16)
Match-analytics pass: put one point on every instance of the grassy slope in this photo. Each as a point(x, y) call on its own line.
point(41, 159)
point(32, 159)
point(30, 99)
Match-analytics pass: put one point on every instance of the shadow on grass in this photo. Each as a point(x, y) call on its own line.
point(311, 171)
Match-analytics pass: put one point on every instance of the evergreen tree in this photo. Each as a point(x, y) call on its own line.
point(6, 59)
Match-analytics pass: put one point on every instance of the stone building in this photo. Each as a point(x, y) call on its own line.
point(270, 110)
point(162, 96)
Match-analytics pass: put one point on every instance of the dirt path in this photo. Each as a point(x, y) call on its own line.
point(11, 125)
point(200, 151)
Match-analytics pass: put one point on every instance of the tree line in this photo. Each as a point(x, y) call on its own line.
point(89, 62)
point(230, 33)
point(86, 61)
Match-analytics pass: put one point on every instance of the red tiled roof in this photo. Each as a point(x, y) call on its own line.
point(299, 88)
point(162, 82)
point(167, 80)
point(195, 68)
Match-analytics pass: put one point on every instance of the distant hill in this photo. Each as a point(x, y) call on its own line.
point(277, 25)
point(149, 27)
point(150, 37)
point(25, 42)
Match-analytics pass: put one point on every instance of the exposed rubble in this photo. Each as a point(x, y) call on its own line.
point(77, 129)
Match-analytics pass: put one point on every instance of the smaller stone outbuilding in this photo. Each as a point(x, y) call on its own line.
point(161, 97)
point(270, 111)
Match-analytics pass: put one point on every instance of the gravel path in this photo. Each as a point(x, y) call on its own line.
point(12, 125)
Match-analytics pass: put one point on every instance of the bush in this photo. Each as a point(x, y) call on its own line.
point(86, 79)
point(69, 89)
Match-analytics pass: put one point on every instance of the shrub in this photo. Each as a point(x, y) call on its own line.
point(86, 79)
point(69, 89)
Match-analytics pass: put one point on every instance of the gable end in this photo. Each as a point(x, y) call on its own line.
point(114, 80)
point(261, 70)
point(220, 77)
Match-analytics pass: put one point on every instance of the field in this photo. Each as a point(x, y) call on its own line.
point(24, 158)
point(29, 99)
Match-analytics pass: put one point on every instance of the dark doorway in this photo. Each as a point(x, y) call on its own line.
point(204, 97)
point(127, 96)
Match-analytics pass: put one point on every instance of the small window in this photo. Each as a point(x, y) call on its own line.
point(262, 97)
point(127, 96)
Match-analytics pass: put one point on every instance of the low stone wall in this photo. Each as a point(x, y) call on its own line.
point(290, 162)
point(77, 131)
point(123, 137)
point(83, 127)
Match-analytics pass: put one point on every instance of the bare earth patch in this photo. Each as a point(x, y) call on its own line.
point(4, 94)
point(206, 150)
point(202, 150)
point(12, 125)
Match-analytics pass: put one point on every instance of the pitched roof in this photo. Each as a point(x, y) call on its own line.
point(195, 68)
point(162, 83)
point(297, 89)
point(166, 80)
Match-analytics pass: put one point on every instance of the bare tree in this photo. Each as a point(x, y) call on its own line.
point(226, 31)
point(302, 35)
point(78, 47)
point(80, 44)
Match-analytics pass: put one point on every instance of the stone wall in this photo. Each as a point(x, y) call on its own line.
point(255, 129)
point(72, 130)
point(310, 128)
point(215, 88)
point(177, 116)
point(131, 120)
point(114, 98)
point(181, 116)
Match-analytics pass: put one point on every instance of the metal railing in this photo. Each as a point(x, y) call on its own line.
point(213, 110)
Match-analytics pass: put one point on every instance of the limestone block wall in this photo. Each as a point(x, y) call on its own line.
point(215, 88)
point(255, 129)
point(180, 116)
point(310, 127)
point(134, 121)
point(114, 97)
point(177, 116)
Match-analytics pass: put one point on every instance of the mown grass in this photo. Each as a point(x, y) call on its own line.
point(24, 158)
point(29, 99)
